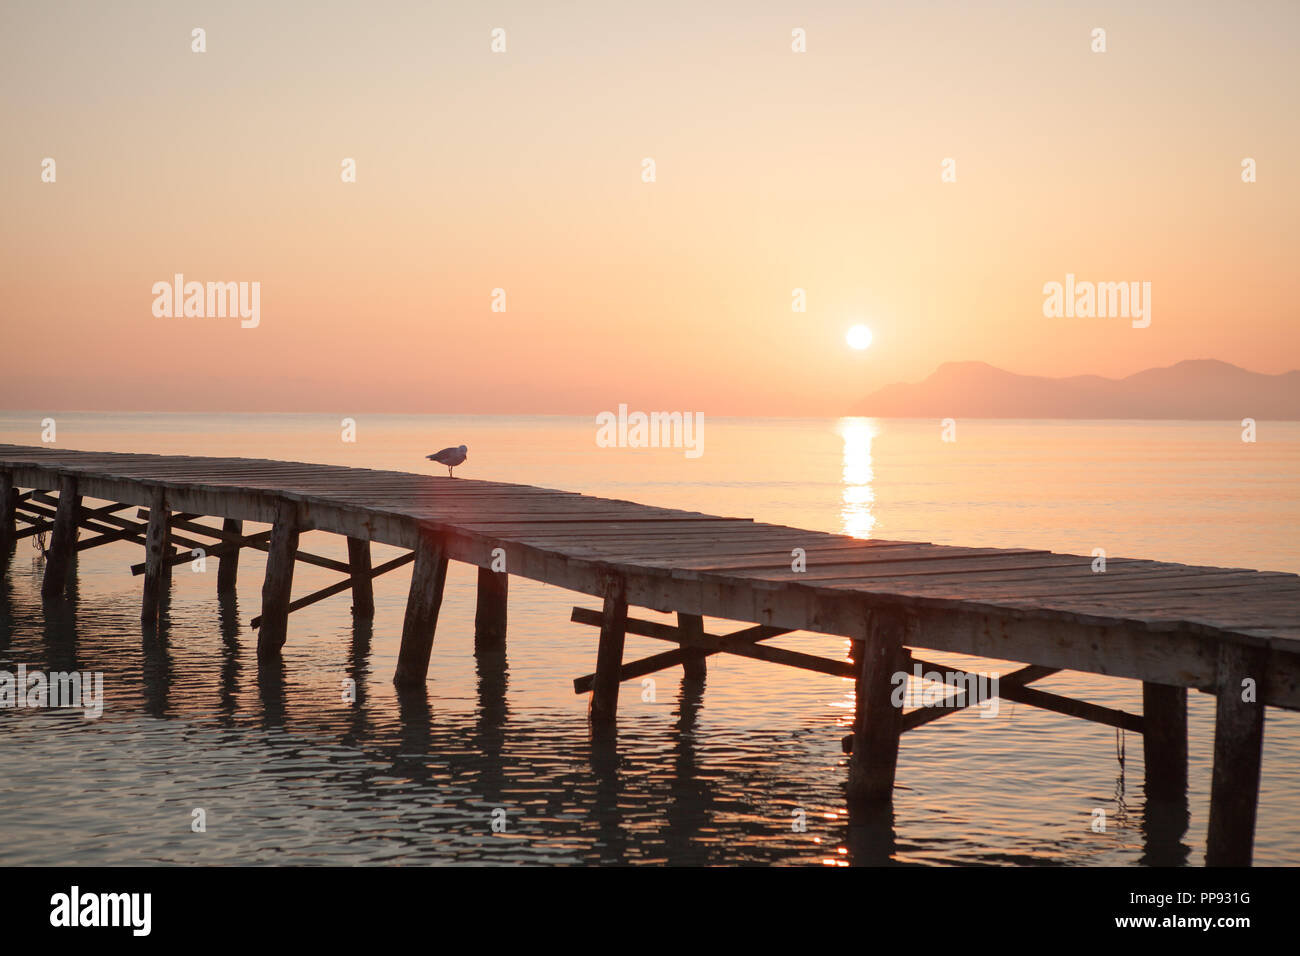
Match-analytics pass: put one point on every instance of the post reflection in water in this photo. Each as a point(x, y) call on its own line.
point(856, 517)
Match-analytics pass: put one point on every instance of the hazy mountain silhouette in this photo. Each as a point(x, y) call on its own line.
point(1196, 389)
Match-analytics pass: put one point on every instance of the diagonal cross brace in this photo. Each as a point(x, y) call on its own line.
point(1006, 685)
point(260, 542)
point(1014, 687)
point(226, 547)
point(37, 518)
point(340, 587)
point(648, 665)
point(109, 525)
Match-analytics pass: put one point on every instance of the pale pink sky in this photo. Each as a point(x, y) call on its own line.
point(522, 170)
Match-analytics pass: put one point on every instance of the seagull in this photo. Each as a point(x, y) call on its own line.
point(451, 457)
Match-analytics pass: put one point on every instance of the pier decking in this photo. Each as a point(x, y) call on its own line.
point(1234, 633)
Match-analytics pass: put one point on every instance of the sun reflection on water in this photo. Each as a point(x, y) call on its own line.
point(856, 518)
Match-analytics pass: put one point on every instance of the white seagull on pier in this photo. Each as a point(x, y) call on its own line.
point(451, 457)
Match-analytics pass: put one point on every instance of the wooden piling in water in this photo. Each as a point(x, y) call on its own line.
point(877, 723)
point(363, 592)
point(490, 610)
point(157, 550)
point(278, 585)
point(693, 664)
point(228, 563)
point(422, 606)
point(1164, 741)
point(602, 709)
point(1238, 753)
point(63, 539)
point(8, 516)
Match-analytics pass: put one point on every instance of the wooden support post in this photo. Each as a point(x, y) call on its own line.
point(277, 587)
point(602, 708)
point(490, 611)
point(877, 722)
point(1238, 750)
point(363, 593)
point(157, 549)
point(63, 542)
point(165, 571)
point(1164, 742)
point(422, 605)
point(8, 516)
point(693, 665)
point(228, 563)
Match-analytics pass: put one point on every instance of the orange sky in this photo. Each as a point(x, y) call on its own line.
point(522, 171)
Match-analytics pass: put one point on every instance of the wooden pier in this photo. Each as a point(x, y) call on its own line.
point(1233, 633)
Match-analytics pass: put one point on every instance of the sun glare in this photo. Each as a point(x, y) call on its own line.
point(858, 337)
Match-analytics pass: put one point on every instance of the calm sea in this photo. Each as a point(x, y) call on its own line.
point(286, 771)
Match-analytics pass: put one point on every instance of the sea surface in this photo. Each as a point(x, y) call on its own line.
point(494, 764)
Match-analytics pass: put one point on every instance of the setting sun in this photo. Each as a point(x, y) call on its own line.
point(859, 337)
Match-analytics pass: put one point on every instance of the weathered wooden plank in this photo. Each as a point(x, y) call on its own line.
point(548, 516)
point(1229, 602)
point(631, 534)
point(1138, 587)
point(1039, 570)
point(946, 568)
point(1224, 609)
point(703, 554)
point(759, 555)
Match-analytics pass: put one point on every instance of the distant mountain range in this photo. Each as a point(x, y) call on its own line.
point(1197, 389)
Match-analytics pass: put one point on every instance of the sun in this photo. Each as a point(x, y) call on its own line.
point(858, 337)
